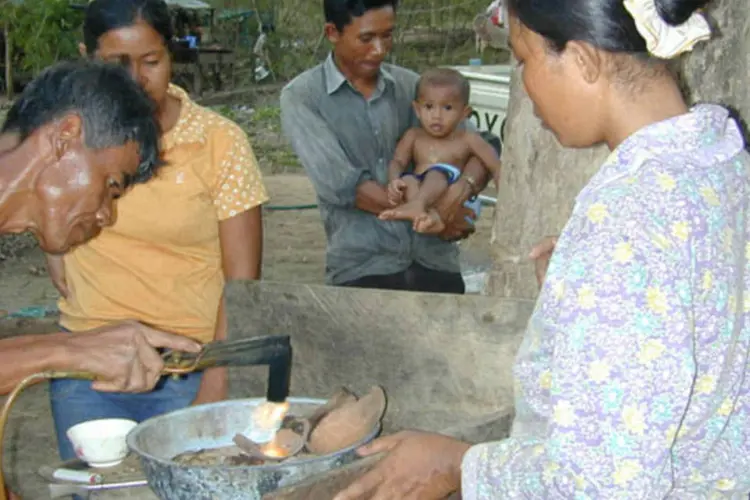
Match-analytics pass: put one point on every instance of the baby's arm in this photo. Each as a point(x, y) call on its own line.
point(403, 155)
point(485, 152)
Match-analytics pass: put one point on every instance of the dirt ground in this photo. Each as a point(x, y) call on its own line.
point(294, 251)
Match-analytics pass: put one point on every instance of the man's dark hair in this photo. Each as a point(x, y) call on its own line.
point(112, 106)
point(445, 77)
point(341, 12)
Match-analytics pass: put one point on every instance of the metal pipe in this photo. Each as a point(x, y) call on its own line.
point(280, 375)
point(272, 350)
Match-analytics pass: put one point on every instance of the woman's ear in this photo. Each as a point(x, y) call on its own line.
point(586, 59)
point(82, 49)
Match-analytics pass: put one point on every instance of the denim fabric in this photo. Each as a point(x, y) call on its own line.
point(74, 401)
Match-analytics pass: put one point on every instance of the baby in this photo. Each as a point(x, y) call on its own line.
point(438, 149)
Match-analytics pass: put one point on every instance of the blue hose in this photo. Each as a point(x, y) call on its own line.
point(34, 312)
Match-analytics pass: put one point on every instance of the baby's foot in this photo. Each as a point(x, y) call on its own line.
point(429, 222)
point(408, 211)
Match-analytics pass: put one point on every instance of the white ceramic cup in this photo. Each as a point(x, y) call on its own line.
point(101, 443)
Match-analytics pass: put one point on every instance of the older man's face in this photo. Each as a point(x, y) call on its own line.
point(76, 194)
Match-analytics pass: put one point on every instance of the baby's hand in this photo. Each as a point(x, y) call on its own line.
point(396, 189)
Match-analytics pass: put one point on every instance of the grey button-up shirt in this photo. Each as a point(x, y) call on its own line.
point(343, 139)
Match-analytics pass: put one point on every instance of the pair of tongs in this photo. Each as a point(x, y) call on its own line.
point(242, 352)
point(274, 351)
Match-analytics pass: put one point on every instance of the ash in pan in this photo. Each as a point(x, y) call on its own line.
point(341, 422)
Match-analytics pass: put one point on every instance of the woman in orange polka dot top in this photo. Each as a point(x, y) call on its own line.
point(176, 239)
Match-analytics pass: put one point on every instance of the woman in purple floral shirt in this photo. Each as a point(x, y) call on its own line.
point(632, 379)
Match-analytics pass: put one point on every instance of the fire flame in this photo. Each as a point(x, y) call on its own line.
point(269, 415)
point(267, 419)
point(272, 449)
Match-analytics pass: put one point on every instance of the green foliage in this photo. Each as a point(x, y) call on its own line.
point(42, 32)
point(269, 114)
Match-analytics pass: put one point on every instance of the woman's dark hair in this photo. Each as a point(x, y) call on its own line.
point(605, 24)
point(341, 12)
point(103, 16)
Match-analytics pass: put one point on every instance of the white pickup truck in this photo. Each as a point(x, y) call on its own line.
point(490, 91)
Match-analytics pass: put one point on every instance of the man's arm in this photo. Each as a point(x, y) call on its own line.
point(484, 151)
point(122, 356)
point(23, 356)
point(335, 179)
point(372, 197)
point(450, 206)
point(473, 180)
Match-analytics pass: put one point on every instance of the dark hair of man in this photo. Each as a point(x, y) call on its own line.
point(341, 12)
point(112, 106)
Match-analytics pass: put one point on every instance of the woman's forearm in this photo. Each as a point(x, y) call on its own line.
point(215, 383)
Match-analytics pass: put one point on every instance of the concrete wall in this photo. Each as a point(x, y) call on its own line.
point(541, 179)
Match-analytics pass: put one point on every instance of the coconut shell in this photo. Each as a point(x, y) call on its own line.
point(342, 396)
point(348, 424)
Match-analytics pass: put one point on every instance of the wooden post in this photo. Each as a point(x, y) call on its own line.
point(8, 62)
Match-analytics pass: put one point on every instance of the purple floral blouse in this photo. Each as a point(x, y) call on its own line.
point(632, 380)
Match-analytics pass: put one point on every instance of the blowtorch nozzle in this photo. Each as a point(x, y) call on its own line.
point(280, 372)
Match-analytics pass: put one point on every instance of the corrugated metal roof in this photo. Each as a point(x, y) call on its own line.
point(189, 4)
point(185, 4)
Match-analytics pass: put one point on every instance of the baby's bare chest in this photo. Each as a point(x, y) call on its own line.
point(429, 150)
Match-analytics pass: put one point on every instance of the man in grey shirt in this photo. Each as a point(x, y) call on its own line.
point(344, 118)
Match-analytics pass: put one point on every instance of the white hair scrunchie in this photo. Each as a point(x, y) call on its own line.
point(662, 39)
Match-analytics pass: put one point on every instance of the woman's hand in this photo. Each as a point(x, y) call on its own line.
point(418, 466)
point(56, 270)
point(541, 254)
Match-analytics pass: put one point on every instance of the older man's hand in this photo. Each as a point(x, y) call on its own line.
point(123, 356)
point(418, 465)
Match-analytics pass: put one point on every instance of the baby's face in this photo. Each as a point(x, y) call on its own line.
point(440, 109)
